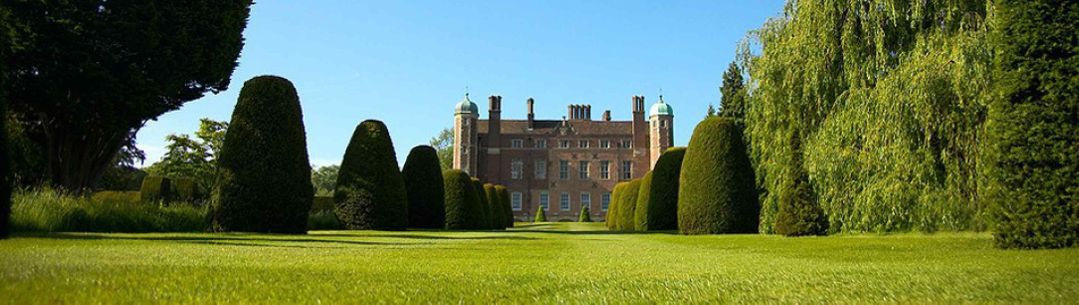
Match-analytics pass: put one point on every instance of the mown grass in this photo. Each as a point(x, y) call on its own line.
point(544, 263)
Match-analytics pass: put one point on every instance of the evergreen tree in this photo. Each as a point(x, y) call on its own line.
point(370, 192)
point(799, 213)
point(585, 215)
point(733, 102)
point(425, 188)
point(540, 215)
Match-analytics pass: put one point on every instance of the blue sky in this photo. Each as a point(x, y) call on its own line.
point(408, 62)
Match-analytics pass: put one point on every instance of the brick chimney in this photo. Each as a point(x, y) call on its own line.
point(607, 115)
point(531, 115)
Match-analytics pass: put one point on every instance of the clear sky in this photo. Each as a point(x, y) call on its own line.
point(408, 62)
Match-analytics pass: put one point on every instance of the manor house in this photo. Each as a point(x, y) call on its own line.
point(561, 165)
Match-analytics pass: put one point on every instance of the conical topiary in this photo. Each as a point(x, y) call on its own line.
point(540, 215)
point(507, 207)
point(370, 192)
point(799, 212)
point(425, 189)
point(716, 191)
point(264, 178)
point(463, 211)
point(585, 215)
point(628, 205)
point(660, 211)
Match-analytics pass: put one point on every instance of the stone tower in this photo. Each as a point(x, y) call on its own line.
point(465, 137)
point(660, 130)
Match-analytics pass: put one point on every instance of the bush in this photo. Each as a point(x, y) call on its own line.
point(463, 211)
point(799, 212)
point(585, 215)
point(627, 205)
point(423, 183)
point(47, 210)
point(639, 220)
point(184, 189)
point(264, 178)
point(716, 186)
point(494, 207)
point(661, 209)
point(155, 189)
point(507, 206)
point(612, 208)
point(541, 216)
point(131, 197)
point(1033, 163)
point(485, 208)
point(322, 204)
point(324, 220)
point(370, 192)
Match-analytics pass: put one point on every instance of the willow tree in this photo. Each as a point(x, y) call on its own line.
point(888, 97)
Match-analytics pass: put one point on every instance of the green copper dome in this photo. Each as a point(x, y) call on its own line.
point(661, 108)
point(466, 106)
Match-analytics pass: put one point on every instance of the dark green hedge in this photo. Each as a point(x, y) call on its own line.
point(612, 208)
point(662, 204)
point(322, 204)
point(485, 207)
point(370, 192)
point(640, 207)
point(155, 188)
point(627, 205)
point(426, 193)
point(264, 174)
point(716, 188)
point(507, 207)
point(494, 204)
point(463, 211)
point(1033, 130)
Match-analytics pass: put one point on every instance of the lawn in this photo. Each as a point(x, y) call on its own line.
point(534, 263)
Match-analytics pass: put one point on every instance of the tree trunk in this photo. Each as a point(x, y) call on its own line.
point(77, 158)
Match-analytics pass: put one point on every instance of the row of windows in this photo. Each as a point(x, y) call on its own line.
point(583, 169)
point(564, 200)
point(542, 143)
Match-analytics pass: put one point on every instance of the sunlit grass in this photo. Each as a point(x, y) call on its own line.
point(545, 263)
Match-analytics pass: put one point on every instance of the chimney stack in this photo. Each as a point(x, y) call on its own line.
point(607, 115)
point(531, 115)
point(588, 112)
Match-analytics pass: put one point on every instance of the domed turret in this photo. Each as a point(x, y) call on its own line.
point(661, 108)
point(466, 106)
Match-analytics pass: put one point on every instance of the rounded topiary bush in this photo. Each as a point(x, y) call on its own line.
point(507, 207)
point(660, 211)
point(494, 206)
point(612, 208)
point(640, 207)
point(463, 211)
point(541, 216)
point(370, 192)
point(627, 205)
point(155, 188)
point(485, 207)
point(716, 191)
point(1032, 163)
point(264, 178)
point(585, 215)
point(423, 183)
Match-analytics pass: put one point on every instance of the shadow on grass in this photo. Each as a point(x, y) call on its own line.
point(236, 240)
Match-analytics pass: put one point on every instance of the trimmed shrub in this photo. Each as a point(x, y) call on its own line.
point(155, 188)
point(324, 220)
point(264, 178)
point(1033, 158)
point(494, 206)
point(661, 209)
point(716, 191)
point(184, 189)
point(585, 215)
point(628, 205)
point(322, 204)
point(507, 206)
point(485, 207)
point(426, 194)
point(612, 208)
point(370, 192)
point(799, 212)
point(640, 206)
point(541, 216)
point(463, 211)
point(129, 197)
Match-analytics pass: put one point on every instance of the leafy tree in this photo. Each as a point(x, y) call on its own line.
point(370, 192)
point(425, 188)
point(715, 189)
point(733, 102)
point(88, 75)
point(324, 179)
point(1033, 162)
point(443, 144)
point(193, 158)
point(264, 182)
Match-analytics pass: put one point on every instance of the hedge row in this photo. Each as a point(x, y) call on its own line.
point(156, 188)
point(657, 203)
point(471, 205)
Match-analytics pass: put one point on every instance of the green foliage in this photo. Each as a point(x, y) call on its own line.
point(507, 205)
point(661, 208)
point(585, 215)
point(155, 189)
point(627, 206)
point(799, 213)
point(5, 160)
point(541, 216)
point(640, 206)
point(463, 211)
point(889, 99)
point(1033, 158)
point(426, 193)
point(485, 207)
point(443, 144)
point(193, 158)
point(134, 197)
point(494, 206)
point(184, 189)
point(90, 82)
point(48, 210)
point(612, 209)
point(324, 179)
point(324, 219)
point(264, 178)
point(733, 101)
point(716, 192)
point(323, 203)
point(370, 191)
